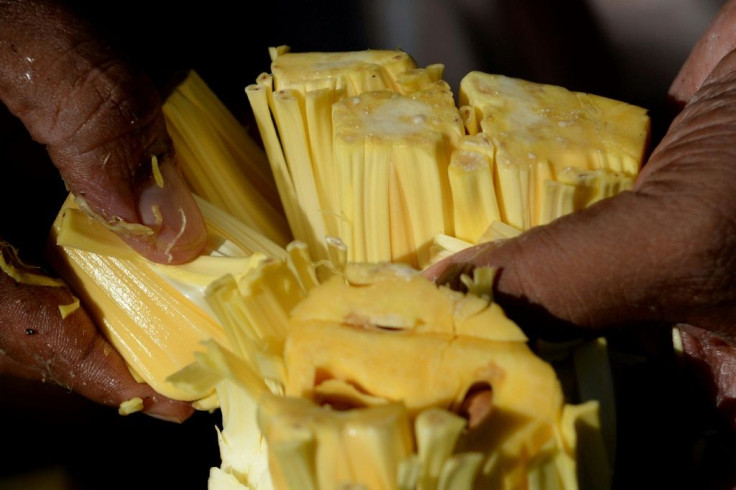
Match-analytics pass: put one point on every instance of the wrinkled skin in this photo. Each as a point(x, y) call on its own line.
point(663, 253)
point(100, 120)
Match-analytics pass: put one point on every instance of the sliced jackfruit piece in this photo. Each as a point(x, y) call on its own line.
point(350, 73)
point(392, 153)
point(359, 143)
point(292, 106)
point(422, 370)
point(397, 297)
point(539, 130)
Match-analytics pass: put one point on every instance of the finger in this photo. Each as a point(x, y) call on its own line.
point(594, 269)
point(641, 257)
point(659, 254)
point(101, 122)
point(718, 40)
point(715, 361)
point(37, 342)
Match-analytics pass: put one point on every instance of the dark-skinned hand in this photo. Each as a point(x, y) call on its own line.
point(100, 120)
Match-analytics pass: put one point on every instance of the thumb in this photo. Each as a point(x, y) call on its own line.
point(101, 122)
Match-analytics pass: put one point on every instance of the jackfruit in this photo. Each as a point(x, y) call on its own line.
point(539, 132)
point(334, 362)
point(386, 161)
point(360, 379)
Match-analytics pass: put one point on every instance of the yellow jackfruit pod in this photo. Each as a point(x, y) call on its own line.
point(539, 130)
point(153, 314)
point(292, 106)
point(378, 378)
point(338, 180)
point(396, 297)
point(393, 153)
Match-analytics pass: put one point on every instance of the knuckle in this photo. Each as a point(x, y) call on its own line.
point(107, 102)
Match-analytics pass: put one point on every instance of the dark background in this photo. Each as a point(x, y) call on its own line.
point(668, 435)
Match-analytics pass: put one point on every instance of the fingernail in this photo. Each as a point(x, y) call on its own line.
point(166, 205)
point(166, 409)
point(165, 418)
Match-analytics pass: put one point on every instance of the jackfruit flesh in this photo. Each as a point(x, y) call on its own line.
point(392, 152)
point(359, 379)
point(386, 161)
point(538, 131)
point(341, 146)
point(350, 73)
point(396, 297)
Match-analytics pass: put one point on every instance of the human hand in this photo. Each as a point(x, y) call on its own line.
point(663, 253)
point(101, 123)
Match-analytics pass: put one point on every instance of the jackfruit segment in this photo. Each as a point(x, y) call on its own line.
point(259, 96)
point(349, 73)
point(474, 197)
point(344, 403)
point(254, 308)
point(330, 122)
point(243, 450)
point(334, 448)
point(418, 79)
point(422, 370)
point(460, 471)
point(301, 265)
point(398, 297)
point(539, 130)
point(437, 432)
point(228, 236)
point(156, 339)
point(445, 245)
point(292, 107)
point(220, 161)
point(593, 185)
point(116, 285)
point(393, 152)
point(287, 106)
